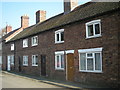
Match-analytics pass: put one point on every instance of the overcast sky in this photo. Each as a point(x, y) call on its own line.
point(12, 11)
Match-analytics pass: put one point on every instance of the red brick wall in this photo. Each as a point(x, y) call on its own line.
point(75, 38)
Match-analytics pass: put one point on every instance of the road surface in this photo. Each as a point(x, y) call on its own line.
point(11, 81)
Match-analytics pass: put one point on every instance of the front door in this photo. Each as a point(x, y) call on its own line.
point(19, 64)
point(70, 67)
point(8, 63)
point(43, 65)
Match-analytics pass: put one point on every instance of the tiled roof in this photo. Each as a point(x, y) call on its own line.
point(81, 12)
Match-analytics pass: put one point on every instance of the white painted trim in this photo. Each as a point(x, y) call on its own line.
point(12, 47)
point(34, 44)
point(90, 50)
point(59, 52)
point(69, 51)
point(58, 68)
point(93, 21)
point(26, 41)
point(60, 30)
point(95, 50)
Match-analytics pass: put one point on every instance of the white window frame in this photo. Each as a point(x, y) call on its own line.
point(33, 43)
point(59, 53)
point(93, 51)
point(12, 59)
point(58, 32)
point(12, 47)
point(94, 22)
point(33, 60)
point(25, 59)
point(25, 41)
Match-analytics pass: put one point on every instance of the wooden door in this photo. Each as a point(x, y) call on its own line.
point(70, 67)
point(43, 65)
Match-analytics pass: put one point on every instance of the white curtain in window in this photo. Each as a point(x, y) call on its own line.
point(97, 61)
point(82, 61)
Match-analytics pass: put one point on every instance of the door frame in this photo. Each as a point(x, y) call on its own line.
point(68, 52)
point(8, 64)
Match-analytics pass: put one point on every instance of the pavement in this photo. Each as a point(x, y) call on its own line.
point(54, 83)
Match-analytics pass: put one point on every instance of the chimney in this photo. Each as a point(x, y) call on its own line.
point(8, 29)
point(24, 21)
point(69, 5)
point(40, 16)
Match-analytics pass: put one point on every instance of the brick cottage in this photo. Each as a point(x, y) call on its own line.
point(81, 44)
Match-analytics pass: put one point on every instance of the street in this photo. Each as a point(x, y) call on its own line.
point(11, 81)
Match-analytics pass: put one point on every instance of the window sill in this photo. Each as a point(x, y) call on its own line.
point(59, 69)
point(34, 65)
point(91, 71)
point(34, 45)
point(25, 65)
point(94, 36)
point(59, 42)
point(25, 47)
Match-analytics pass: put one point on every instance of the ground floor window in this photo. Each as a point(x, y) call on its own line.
point(12, 59)
point(90, 60)
point(34, 60)
point(59, 60)
point(25, 60)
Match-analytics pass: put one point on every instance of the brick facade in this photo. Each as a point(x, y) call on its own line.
point(74, 39)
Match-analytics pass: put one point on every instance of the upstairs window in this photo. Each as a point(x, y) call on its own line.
point(59, 60)
point(12, 47)
point(59, 36)
point(93, 29)
point(25, 43)
point(25, 60)
point(34, 60)
point(34, 40)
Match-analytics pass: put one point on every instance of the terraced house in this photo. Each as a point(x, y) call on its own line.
point(81, 44)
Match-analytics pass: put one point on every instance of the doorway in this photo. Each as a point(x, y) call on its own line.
point(19, 67)
point(43, 65)
point(70, 67)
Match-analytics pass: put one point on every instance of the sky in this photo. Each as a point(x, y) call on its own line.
point(12, 10)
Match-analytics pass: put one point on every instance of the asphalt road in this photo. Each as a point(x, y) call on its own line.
point(10, 81)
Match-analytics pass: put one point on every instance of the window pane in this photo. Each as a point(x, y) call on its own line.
point(89, 55)
point(58, 64)
point(62, 61)
point(90, 30)
point(97, 61)
point(82, 61)
point(90, 64)
point(57, 37)
point(97, 29)
point(62, 36)
point(36, 60)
